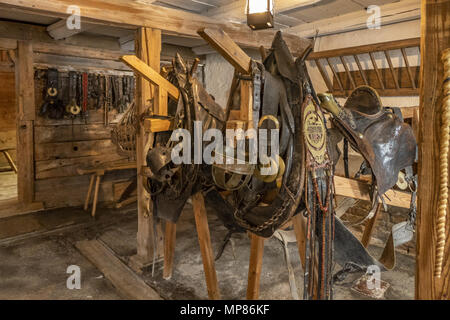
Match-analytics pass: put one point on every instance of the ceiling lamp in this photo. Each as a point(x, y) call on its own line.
point(259, 14)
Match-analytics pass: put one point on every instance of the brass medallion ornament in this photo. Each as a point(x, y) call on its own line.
point(315, 133)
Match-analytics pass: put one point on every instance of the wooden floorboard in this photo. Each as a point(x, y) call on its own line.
point(128, 284)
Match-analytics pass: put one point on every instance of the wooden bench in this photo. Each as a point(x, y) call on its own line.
point(9, 159)
point(96, 174)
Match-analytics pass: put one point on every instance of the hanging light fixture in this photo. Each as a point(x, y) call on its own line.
point(259, 14)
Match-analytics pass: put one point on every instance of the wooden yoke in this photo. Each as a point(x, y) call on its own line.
point(242, 63)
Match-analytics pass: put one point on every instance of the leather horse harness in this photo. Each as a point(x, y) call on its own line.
point(243, 198)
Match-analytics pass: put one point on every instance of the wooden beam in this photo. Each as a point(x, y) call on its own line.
point(59, 30)
point(158, 125)
point(204, 239)
point(435, 39)
point(255, 266)
point(127, 283)
point(361, 190)
point(151, 75)
point(381, 46)
point(220, 41)
point(148, 48)
point(135, 14)
point(404, 10)
point(26, 112)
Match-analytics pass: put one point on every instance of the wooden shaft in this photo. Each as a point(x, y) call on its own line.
point(361, 70)
point(300, 234)
point(367, 234)
point(324, 75)
point(408, 69)
point(204, 239)
point(347, 71)
point(10, 161)
point(255, 266)
point(94, 203)
point(88, 196)
point(377, 71)
point(335, 75)
point(169, 249)
point(391, 67)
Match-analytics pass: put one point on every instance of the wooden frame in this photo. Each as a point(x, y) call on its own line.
point(435, 38)
point(343, 83)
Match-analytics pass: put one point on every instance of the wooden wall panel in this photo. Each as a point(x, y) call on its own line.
point(62, 146)
point(7, 114)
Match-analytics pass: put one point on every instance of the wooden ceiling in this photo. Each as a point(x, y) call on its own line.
point(288, 13)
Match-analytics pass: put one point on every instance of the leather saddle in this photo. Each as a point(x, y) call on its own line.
point(384, 140)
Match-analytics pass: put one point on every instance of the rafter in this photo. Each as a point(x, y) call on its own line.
point(390, 13)
point(136, 14)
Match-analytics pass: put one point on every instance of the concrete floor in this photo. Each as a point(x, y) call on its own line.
point(36, 249)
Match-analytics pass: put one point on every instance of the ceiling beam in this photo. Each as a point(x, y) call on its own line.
point(390, 13)
point(59, 30)
point(125, 14)
point(235, 11)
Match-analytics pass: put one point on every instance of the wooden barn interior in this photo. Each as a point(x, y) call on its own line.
point(72, 198)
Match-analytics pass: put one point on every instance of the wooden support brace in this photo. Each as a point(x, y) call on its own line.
point(255, 266)
point(158, 125)
point(361, 190)
point(169, 249)
point(220, 41)
point(151, 75)
point(204, 239)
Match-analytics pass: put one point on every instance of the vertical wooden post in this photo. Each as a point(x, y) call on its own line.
point(148, 49)
point(300, 234)
point(26, 114)
point(255, 266)
point(204, 239)
point(435, 38)
point(169, 249)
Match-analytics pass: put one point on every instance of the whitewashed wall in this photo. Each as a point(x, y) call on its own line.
point(219, 73)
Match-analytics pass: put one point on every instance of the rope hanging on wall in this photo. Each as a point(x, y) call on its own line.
point(444, 150)
point(123, 135)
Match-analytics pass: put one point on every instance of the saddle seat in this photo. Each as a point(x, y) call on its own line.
point(384, 140)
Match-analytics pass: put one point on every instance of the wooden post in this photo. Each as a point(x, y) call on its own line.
point(169, 249)
point(255, 266)
point(435, 38)
point(204, 239)
point(300, 234)
point(26, 113)
point(148, 49)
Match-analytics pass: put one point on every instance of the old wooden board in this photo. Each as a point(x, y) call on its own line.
point(135, 14)
point(435, 38)
point(361, 190)
point(127, 283)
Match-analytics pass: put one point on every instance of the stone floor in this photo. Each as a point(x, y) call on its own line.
point(36, 249)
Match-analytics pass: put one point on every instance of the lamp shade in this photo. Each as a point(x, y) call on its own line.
point(259, 14)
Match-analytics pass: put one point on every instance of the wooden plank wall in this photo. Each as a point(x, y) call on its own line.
point(7, 115)
point(62, 146)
